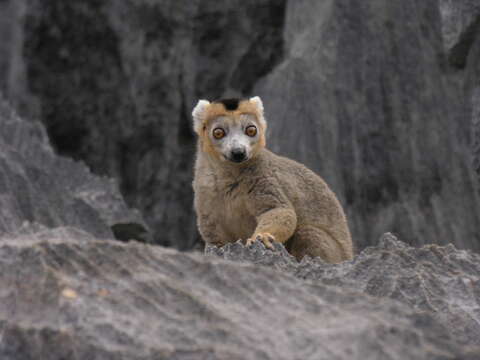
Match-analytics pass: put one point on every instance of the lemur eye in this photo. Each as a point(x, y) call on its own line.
point(251, 131)
point(218, 133)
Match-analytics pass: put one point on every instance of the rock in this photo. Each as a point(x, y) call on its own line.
point(66, 295)
point(441, 281)
point(472, 76)
point(460, 27)
point(115, 82)
point(461, 20)
point(461, 37)
point(39, 187)
point(378, 97)
point(367, 89)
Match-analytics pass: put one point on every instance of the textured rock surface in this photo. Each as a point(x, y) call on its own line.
point(383, 109)
point(378, 96)
point(382, 122)
point(463, 18)
point(460, 28)
point(65, 295)
point(37, 186)
point(115, 82)
point(473, 95)
point(442, 281)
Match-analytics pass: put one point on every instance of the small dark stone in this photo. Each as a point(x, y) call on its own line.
point(130, 231)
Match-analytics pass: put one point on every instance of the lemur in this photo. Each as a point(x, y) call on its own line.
point(244, 191)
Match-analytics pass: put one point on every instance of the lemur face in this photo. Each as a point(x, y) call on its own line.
point(235, 137)
point(232, 130)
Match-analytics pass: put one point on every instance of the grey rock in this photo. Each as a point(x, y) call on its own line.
point(66, 295)
point(460, 27)
point(473, 98)
point(461, 36)
point(376, 96)
point(469, 54)
point(115, 81)
point(441, 281)
point(39, 187)
point(365, 98)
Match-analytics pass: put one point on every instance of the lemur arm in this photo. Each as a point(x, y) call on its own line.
point(274, 213)
point(279, 222)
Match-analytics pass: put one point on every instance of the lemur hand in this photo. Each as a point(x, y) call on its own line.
point(265, 238)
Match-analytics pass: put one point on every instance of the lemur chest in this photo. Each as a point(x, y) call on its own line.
point(232, 210)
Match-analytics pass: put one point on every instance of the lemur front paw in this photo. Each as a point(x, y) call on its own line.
point(266, 238)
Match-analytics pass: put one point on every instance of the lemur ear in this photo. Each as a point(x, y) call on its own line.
point(257, 102)
point(198, 115)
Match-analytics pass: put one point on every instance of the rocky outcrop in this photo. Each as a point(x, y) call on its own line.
point(115, 81)
point(383, 114)
point(461, 35)
point(382, 121)
point(39, 187)
point(461, 21)
point(67, 290)
point(378, 97)
point(460, 28)
point(66, 295)
point(441, 281)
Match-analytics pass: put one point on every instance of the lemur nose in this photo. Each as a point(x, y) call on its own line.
point(238, 155)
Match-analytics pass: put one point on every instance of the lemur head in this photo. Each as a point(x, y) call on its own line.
point(230, 129)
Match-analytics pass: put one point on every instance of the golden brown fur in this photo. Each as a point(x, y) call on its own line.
point(267, 198)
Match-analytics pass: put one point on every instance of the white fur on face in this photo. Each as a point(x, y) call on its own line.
point(235, 138)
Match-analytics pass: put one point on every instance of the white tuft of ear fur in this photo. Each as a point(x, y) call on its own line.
point(259, 105)
point(198, 114)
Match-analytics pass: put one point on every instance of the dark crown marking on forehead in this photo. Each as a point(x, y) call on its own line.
point(229, 104)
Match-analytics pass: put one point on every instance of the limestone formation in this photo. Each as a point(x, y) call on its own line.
point(39, 187)
point(65, 294)
point(379, 97)
point(442, 281)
